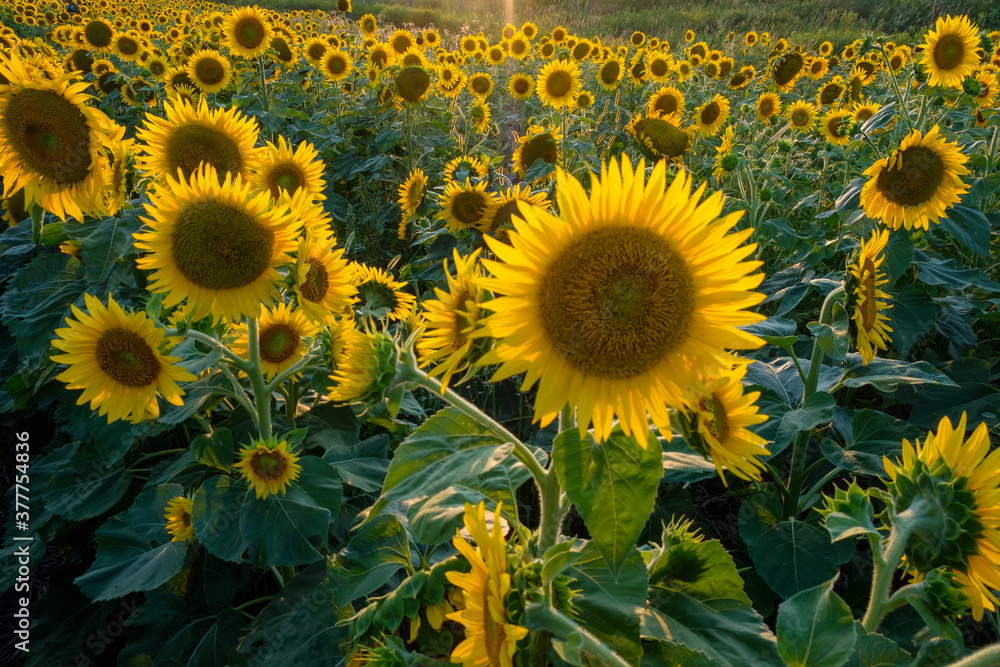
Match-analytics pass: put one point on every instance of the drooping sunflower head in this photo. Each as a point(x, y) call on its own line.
point(787, 69)
point(215, 245)
point(247, 31)
point(558, 83)
point(189, 137)
point(950, 485)
point(712, 115)
point(539, 143)
point(209, 70)
point(870, 302)
point(268, 467)
point(948, 54)
point(917, 183)
point(115, 358)
point(467, 206)
point(411, 192)
point(178, 516)
point(643, 275)
point(660, 134)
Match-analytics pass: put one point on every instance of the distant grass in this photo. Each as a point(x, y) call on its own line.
point(804, 21)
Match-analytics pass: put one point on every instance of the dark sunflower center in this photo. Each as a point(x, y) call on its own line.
point(833, 126)
point(127, 358)
point(49, 134)
point(468, 207)
point(518, 47)
point(401, 44)
point(666, 103)
point(281, 49)
point(15, 206)
point(786, 69)
point(209, 71)
point(867, 287)
point(316, 283)
point(712, 70)
point(249, 32)
point(710, 113)
point(336, 65)
point(157, 68)
point(128, 46)
point(219, 247)
point(558, 84)
point(411, 59)
point(916, 180)
point(269, 465)
point(800, 118)
point(949, 52)
point(816, 67)
point(412, 83)
point(863, 114)
point(830, 93)
point(188, 146)
point(477, 113)
point(581, 50)
point(719, 426)
point(501, 219)
point(98, 33)
point(737, 80)
point(285, 176)
point(543, 147)
point(316, 51)
point(766, 106)
point(368, 25)
point(616, 301)
point(659, 67)
point(480, 85)
point(522, 86)
point(610, 72)
point(277, 343)
point(667, 140)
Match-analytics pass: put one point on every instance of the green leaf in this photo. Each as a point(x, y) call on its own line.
point(870, 435)
point(376, 552)
point(816, 410)
point(911, 317)
point(888, 374)
point(934, 271)
point(834, 338)
point(86, 487)
point(434, 520)
point(613, 485)
point(658, 653)
point(215, 515)
point(876, 651)
point(790, 555)
point(972, 391)
point(104, 242)
point(609, 604)
point(703, 570)
point(816, 629)
point(681, 464)
point(969, 227)
point(134, 550)
point(215, 449)
point(362, 465)
point(936, 652)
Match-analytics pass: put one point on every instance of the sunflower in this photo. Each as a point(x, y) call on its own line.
point(826, 49)
point(316, 48)
point(863, 112)
point(188, 138)
point(464, 166)
point(490, 640)
point(127, 46)
point(787, 69)
point(178, 516)
point(558, 83)
point(480, 84)
point(817, 68)
point(209, 70)
point(658, 67)
point(268, 467)
point(411, 192)
point(324, 281)
point(115, 358)
point(661, 135)
point(962, 480)
point(750, 38)
point(519, 47)
point(529, 30)
point(247, 32)
point(831, 92)
point(216, 245)
point(949, 53)
point(521, 86)
point(539, 143)
point(467, 206)
point(989, 86)
point(610, 307)
point(917, 183)
point(183, 94)
point(835, 127)
point(481, 116)
point(412, 84)
point(280, 336)
point(666, 101)
point(414, 56)
point(158, 68)
point(684, 70)
point(610, 73)
point(280, 170)
point(870, 301)
point(118, 190)
point(559, 34)
point(365, 369)
point(451, 79)
point(509, 205)
point(801, 115)
point(381, 296)
point(720, 413)
point(336, 65)
point(400, 41)
point(712, 115)
point(368, 25)
point(722, 166)
point(98, 33)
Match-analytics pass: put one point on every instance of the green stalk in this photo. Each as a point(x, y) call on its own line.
point(37, 216)
point(950, 109)
point(817, 487)
point(984, 657)
point(240, 394)
point(885, 564)
point(260, 394)
point(895, 87)
point(563, 627)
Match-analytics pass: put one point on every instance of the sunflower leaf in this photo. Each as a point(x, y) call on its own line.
point(815, 629)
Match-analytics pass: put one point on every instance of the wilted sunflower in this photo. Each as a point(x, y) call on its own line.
point(835, 126)
point(411, 192)
point(52, 142)
point(489, 638)
point(115, 358)
point(247, 32)
point(464, 166)
point(324, 282)
point(720, 413)
point(666, 101)
point(558, 83)
point(215, 245)
point(712, 115)
point(380, 295)
point(539, 143)
point(509, 205)
point(467, 206)
point(870, 301)
point(610, 306)
point(521, 86)
point(336, 65)
point(268, 467)
point(280, 334)
point(962, 480)
point(949, 53)
point(178, 516)
point(917, 183)
point(661, 135)
point(210, 70)
point(412, 84)
point(801, 115)
point(189, 137)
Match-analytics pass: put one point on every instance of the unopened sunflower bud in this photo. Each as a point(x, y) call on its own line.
point(971, 86)
point(730, 162)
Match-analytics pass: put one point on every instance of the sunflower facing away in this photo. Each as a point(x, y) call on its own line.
point(51, 142)
point(268, 467)
point(916, 184)
point(115, 358)
point(490, 640)
point(949, 52)
point(965, 482)
point(280, 335)
point(870, 301)
point(215, 245)
point(178, 516)
point(609, 306)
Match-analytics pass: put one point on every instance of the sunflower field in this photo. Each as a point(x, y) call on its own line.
point(326, 342)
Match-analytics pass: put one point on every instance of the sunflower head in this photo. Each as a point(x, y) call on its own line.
point(467, 206)
point(538, 144)
point(247, 31)
point(870, 301)
point(949, 51)
point(558, 83)
point(412, 84)
point(366, 372)
point(178, 516)
point(660, 135)
point(268, 466)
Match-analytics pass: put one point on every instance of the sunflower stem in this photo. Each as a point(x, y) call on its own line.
point(261, 396)
point(564, 627)
point(950, 109)
point(885, 564)
point(37, 216)
point(984, 657)
point(895, 87)
point(240, 394)
point(297, 367)
point(817, 487)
